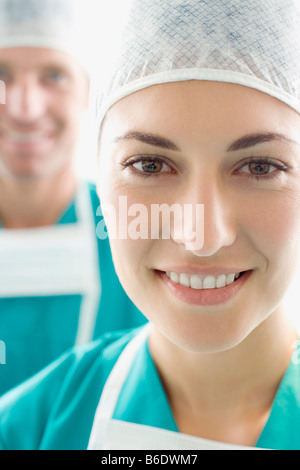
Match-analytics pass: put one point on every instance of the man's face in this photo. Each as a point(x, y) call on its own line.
point(46, 92)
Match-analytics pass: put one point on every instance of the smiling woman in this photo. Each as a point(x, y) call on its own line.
point(191, 111)
point(248, 181)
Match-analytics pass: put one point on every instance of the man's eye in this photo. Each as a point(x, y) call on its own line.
point(54, 76)
point(4, 75)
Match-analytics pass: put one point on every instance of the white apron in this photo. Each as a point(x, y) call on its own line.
point(55, 260)
point(111, 434)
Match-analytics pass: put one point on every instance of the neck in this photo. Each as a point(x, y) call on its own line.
point(35, 203)
point(233, 385)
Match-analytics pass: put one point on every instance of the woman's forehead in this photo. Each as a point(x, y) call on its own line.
point(182, 106)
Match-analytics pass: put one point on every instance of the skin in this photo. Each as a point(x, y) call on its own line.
point(46, 94)
point(239, 348)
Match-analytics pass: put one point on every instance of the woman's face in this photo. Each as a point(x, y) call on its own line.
point(232, 149)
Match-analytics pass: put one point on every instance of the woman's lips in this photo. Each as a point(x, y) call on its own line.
point(204, 290)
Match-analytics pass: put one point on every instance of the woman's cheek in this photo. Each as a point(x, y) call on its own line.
point(274, 227)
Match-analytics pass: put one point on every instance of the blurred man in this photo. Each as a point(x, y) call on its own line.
point(58, 286)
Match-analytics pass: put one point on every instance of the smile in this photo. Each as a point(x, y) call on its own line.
point(205, 289)
point(195, 281)
point(28, 138)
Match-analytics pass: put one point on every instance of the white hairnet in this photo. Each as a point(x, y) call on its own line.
point(54, 24)
point(255, 43)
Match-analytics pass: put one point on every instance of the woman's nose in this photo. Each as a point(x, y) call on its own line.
point(25, 102)
point(208, 222)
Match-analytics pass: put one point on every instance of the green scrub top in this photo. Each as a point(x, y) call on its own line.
point(55, 409)
point(37, 330)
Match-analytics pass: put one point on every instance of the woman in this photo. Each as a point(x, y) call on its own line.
point(202, 108)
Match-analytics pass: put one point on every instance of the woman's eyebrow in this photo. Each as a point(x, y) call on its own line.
point(255, 139)
point(244, 142)
point(151, 139)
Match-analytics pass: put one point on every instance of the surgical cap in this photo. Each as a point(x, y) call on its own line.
point(54, 24)
point(255, 43)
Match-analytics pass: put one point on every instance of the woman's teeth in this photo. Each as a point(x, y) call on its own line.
point(208, 282)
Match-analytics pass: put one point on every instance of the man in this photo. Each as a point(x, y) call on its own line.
point(58, 286)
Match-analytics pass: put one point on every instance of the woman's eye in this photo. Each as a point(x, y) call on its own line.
point(261, 168)
point(258, 168)
point(150, 166)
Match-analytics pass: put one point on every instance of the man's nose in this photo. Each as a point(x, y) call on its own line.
point(25, 101)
